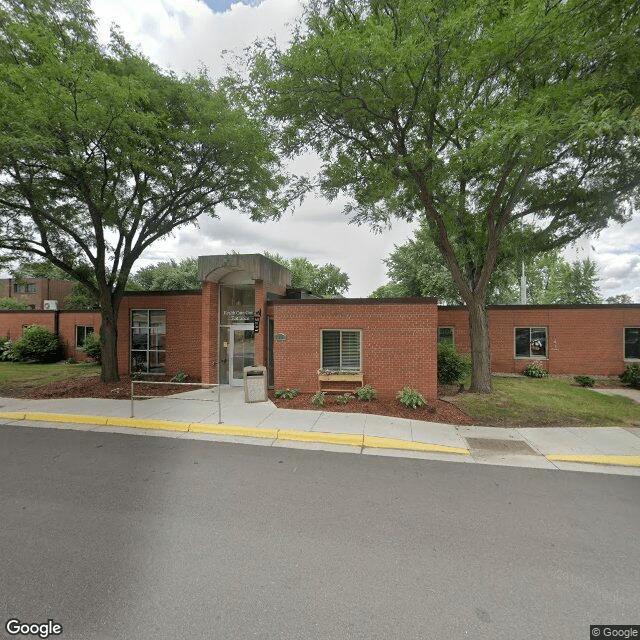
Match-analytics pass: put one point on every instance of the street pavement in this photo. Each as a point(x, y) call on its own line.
point(117, 537)
point(196, 415)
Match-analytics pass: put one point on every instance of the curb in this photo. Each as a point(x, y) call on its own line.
point(609, 459)
point(283, 435)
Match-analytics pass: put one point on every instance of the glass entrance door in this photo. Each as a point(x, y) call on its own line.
point(242, 350)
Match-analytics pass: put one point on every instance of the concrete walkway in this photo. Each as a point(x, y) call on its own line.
point(194, 414)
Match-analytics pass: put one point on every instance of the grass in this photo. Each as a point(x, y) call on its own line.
point(17, 375)
point(548, 402)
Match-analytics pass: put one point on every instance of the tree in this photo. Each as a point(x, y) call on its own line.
point(324, 280)
point(570, 284)
point(12, 304)
point(474, 116)
point(417, 268)
point(621, 298)
point(102, 154)
point(169, 275)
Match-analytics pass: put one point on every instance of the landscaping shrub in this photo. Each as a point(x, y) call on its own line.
point(343, 399)
point(7, 353)
point(452, 367)
point(411, 398)
point(181, 376)
point(584, 381)
point(287, 394)
point(317, 399)
point(631, 375)
point(91, 347)
point(39, 344)
point(535, 370)
point(367, 392)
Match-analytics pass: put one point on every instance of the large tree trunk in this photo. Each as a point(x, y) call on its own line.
point(480, 347)
point(109, 338)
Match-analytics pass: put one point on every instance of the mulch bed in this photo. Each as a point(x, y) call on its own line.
point(92, 387)
point(441, 411)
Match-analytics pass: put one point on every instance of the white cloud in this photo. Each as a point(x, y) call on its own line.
point(182, 35)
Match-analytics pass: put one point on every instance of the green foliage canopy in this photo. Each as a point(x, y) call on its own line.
point(476, 116)
point(102, 153)
point(325, 280)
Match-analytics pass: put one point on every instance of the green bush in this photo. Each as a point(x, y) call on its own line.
point(631, 375)
point(452, 367)
point(91, 347)
point(318, 398)
point(39, 344)
point(287, 394)
point(535, 370)
point(7, 354)
point(343, 399)
point(584, 381)
point(411, 398)
point(367, 392)
point(181, 376)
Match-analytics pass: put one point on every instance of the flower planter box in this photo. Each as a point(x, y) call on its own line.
point(324, 381)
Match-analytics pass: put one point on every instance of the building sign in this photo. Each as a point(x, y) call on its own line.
point(256, 321)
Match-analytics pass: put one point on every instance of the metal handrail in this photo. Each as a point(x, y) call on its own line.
point(176, 384)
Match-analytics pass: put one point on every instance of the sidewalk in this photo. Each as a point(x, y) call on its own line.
point(194, 414)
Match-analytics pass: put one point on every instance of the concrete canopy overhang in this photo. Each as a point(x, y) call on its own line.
point(255, 265)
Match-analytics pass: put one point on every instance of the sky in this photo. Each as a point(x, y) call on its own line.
point(183, 35)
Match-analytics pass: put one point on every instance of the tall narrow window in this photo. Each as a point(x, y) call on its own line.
point(531, 342)
point(148, 333)
point(81, 334)
point(632, 343)
point(341, 350)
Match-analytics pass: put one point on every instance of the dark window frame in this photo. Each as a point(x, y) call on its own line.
point(635, 344)
point(532, 341)
point(342, 357)
point(453, 335)
point(152, 358)
point(85, 333)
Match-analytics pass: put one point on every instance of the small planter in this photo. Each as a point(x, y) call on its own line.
point(325, 381)
point(341, 377)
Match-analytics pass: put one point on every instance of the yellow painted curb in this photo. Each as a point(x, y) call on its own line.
point(142, 423)
point(617, 460)
point(62, 417)
point(13, 415)
point(317, 436)
point(233, 430)
point(393, 443)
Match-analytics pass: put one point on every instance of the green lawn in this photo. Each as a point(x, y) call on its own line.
point(548, 402)
point(16, 375)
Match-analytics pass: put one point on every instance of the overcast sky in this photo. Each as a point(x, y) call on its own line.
point(184, 34)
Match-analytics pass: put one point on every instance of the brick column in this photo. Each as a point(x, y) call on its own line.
point(209, 332)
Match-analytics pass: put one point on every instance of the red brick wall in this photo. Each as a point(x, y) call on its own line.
point(209, 323)
point(184, 337)
point(68, 320)
point(46, 289)
point(580, 340)
point(398, 341)
point(11, 323)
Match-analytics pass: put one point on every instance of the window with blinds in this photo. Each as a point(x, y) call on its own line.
point(341, 350)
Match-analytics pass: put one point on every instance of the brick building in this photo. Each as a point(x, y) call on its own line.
point(34, 291)
point(246, 313)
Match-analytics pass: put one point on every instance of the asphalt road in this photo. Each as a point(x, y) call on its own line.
point(118, 536)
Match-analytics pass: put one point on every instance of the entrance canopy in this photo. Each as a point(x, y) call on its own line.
point(254, 265)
